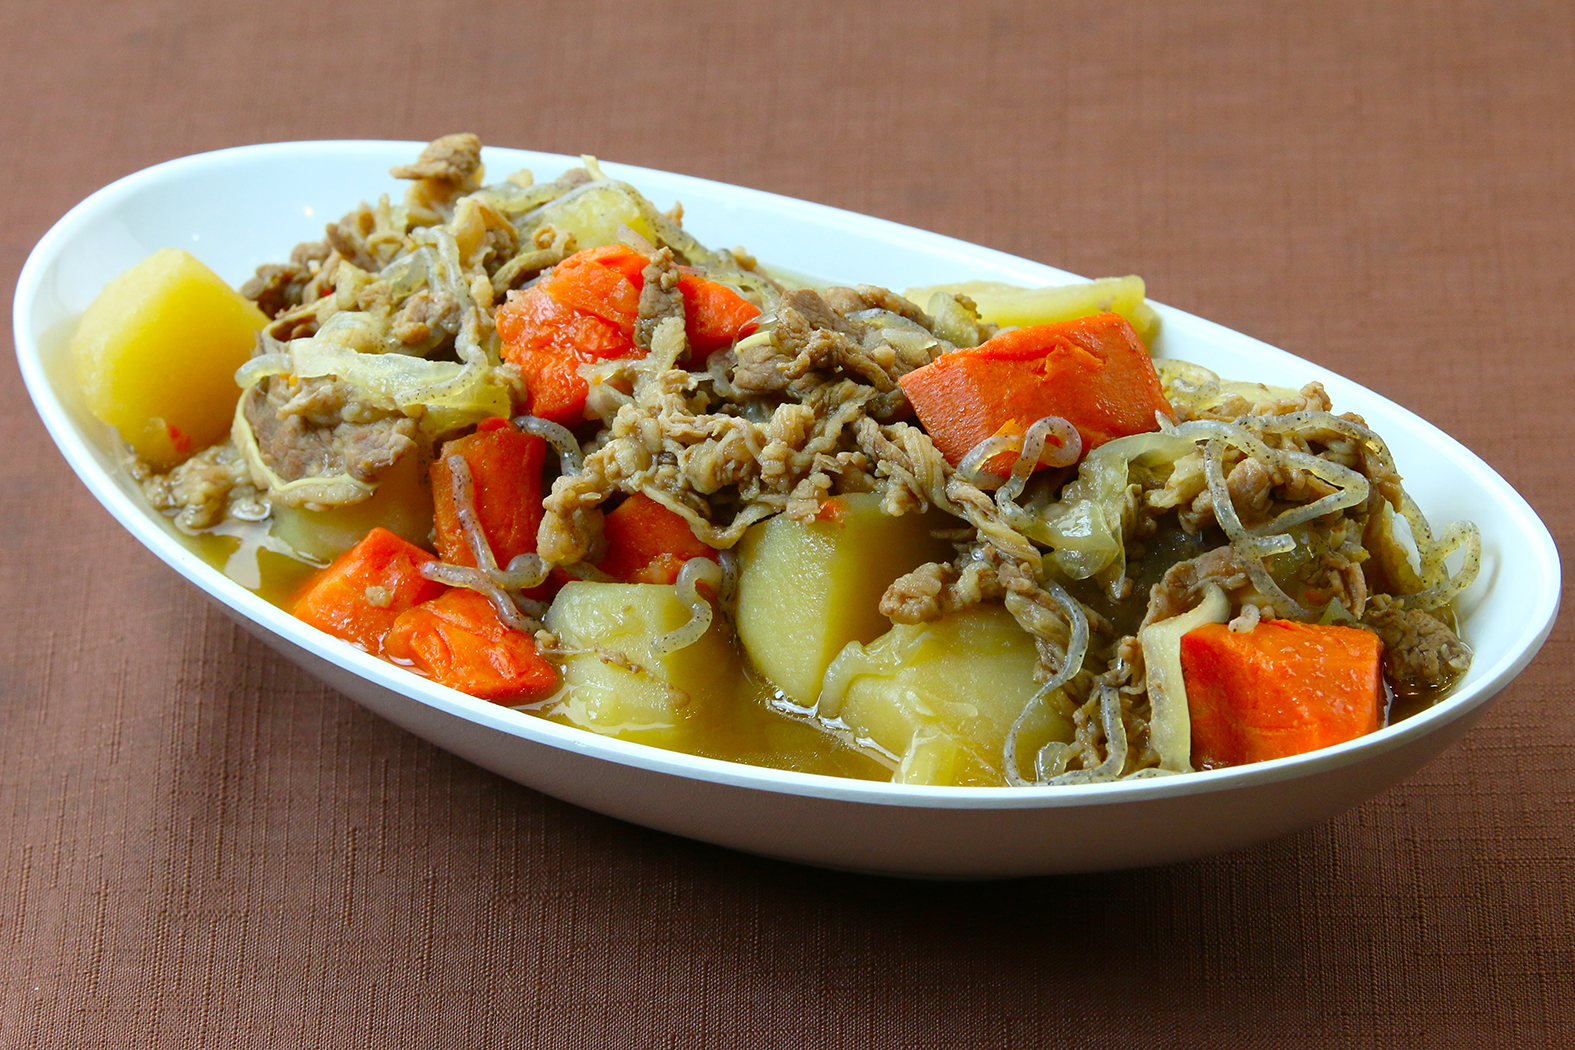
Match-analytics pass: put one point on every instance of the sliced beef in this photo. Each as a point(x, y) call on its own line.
point(1420, 651)
point(452, 159)
point(318, 429)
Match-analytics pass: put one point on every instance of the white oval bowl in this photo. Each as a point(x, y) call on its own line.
point(238, 208)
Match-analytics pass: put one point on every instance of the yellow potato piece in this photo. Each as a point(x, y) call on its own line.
point(156, 355)
point(939, 697)
point(402, 504)
point(1007, 304)
point(615, 683)
point(805, 591)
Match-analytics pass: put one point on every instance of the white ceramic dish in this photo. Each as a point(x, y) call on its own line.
point(241, 207)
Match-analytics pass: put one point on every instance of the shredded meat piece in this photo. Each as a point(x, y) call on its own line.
point(814, 343)
point(921, 595)
point(872, 297)
point(1344, 581)
point(452, 158)
point(1182, 585)
point(424, 318)
point(348, 238)
point(768, 365)
point(1250, 485)
point(1310, 398)
point(979, 574)
point(704, 465)
point(205, 489)
point(448, 169)
point(659, 297)
point(911, 468)
point(276, 288)
point(1420, 651)
point(1249, 482)
point(318, 429)
point(310, 254)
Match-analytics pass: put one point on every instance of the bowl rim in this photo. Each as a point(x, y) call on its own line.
point(140, 521)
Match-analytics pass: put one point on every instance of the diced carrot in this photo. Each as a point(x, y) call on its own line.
point(534, 320)
point(549, 341)
point(603, 282)
point(457, 639)
point(715, 316)
point(505, 475)
point(361, 594)
point(555, 390)
point(606, 282)
point(585, 310)
point(647, 543)
point(1282, 688)
point(1093, 372)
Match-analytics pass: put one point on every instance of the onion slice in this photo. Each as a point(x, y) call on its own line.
point(1170, 720)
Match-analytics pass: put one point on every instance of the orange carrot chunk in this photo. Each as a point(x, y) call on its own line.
point(647, 543)
point(548, 341)
point(364, 591)
point(1093, 372)
point(603, 282)
point(458, 640)
point(585, 310)
point(715, 316)
point(1282, 688)
point(505, 480)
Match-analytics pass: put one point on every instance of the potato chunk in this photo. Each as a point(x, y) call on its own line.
point(805, 591)
point(402, 504)
point(156, 355)
point(615, 683)
point(1007, 304)
point(940, 697)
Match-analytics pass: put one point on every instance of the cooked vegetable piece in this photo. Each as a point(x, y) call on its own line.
point(714, 315)
point(1092, 372)
point(156, 355)
point(402, 504)
point(941, 696)
point(360, 595)
point(585, 310)
point(807, 590)
point(505, 479)
point(603, 282)
point(593, 212)
point(647, 543)
point(616, 682)
point(549, 341)
point(1282, 688)
point(1007, 304)
point(1169, 720)
point(458, 640)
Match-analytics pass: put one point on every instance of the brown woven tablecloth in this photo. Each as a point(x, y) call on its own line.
point(202, 847)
